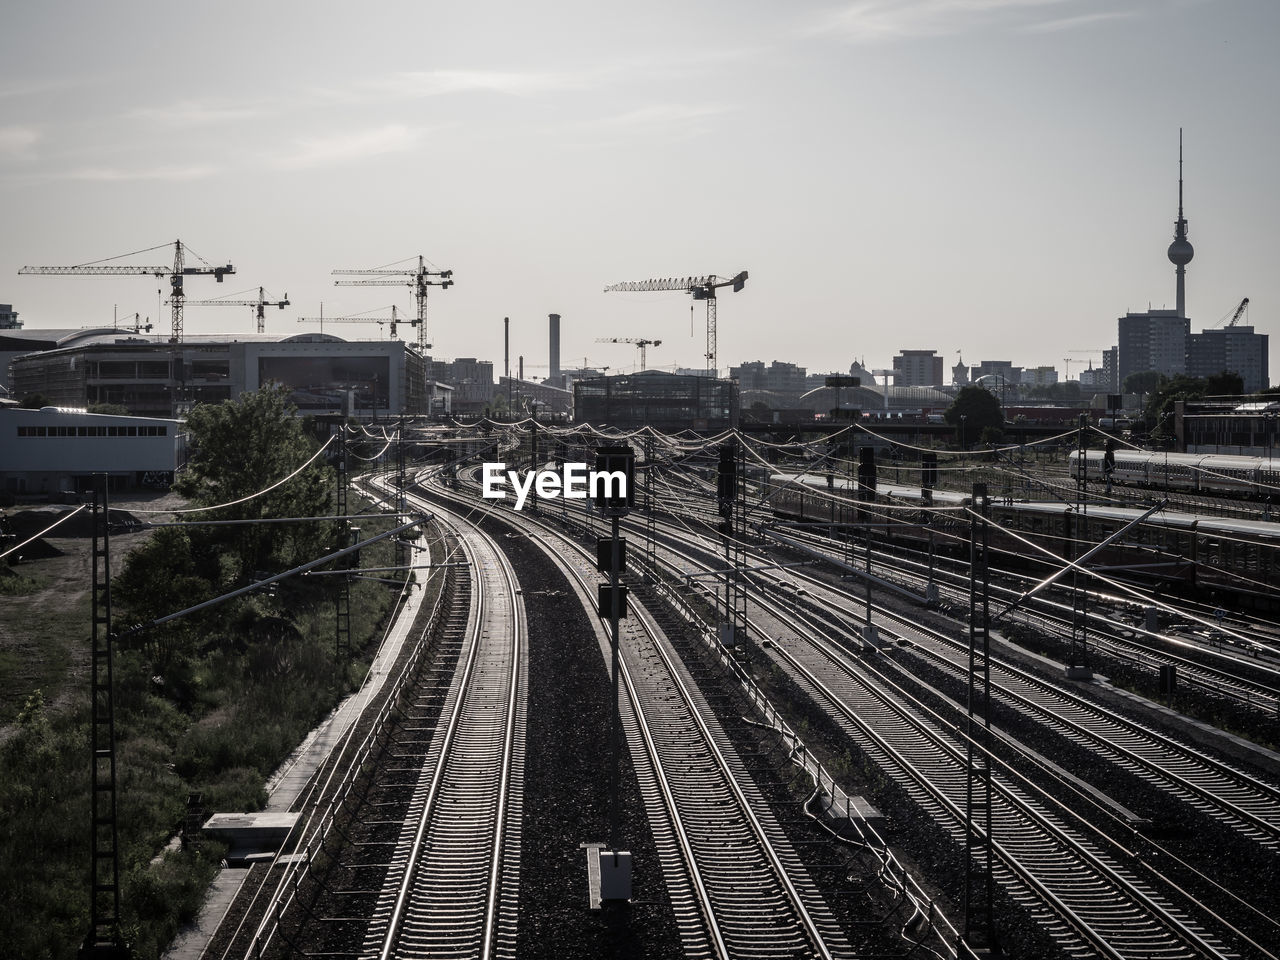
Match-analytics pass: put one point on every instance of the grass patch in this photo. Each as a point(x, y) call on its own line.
point(16, 584)
point(212, 705)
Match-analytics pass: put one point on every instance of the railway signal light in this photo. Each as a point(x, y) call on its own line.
point(614, 499)
point(604, 600)
point(604, 554)
point(867, 473)
point(727, 474)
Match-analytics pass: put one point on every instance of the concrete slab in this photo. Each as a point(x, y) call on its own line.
point(593, 874)
point(250, 834)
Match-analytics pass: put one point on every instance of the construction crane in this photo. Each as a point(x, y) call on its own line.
point(417, 277)
point(702, 288)
point(176, 275)
point(259, 305)
point(358, 318)
point(139, 325)
point(638, 341)
point(1086, 355)
point(1235, 317)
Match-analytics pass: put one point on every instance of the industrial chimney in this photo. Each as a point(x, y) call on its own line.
point(554, 360)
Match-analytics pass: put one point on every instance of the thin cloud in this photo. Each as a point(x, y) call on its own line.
point(665, 115)
point(116, 174)
point(1083, 20)
point(193, 113)
point(17, 140)
point(437, 82)
point(872, 20)
point(344, 148)
point(420, 84)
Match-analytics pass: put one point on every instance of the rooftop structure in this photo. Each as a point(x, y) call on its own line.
point(56, 450)
point(918, 368)
point(666, 401)
point(150, 377)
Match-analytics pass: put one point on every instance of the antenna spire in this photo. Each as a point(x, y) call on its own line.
point(1180, 251)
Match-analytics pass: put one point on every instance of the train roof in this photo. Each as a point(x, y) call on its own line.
point(1202, 461)
point(1262, 529)
point(1206, 524)
point(843, 484)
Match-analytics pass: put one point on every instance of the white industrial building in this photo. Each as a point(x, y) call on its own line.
point(56, 450)
point(152, 377)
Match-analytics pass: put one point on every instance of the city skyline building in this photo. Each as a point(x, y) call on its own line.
point(917, 368)
point(1232, 349)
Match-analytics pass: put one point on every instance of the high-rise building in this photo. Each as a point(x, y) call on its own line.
point(918, 368)
point(1154, 340)
point(1232, 349)
point(1110, 370)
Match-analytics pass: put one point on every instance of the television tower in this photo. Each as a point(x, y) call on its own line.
point(1181, 251)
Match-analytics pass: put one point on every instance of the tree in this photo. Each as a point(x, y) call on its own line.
point(974, 410)
point(1158, 414)
point(1147, 381)
point(115, 409)
point(242, 447)
point(1224, 384)
point(34, 401)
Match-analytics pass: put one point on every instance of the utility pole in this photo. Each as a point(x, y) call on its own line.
point(1078, 659)
point(615, 863)
point(105, 940)
point(730, 493)
point(979, 937)
point(342, 596)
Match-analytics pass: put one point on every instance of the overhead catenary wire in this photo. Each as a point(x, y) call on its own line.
point(252, 496)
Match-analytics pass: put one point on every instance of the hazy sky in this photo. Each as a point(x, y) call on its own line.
point(992, 176)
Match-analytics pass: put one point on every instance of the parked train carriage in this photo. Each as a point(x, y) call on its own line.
point(1236, 561)
point(1163, 548)
point(1222, 473)
point(1196, 472)
point(1131, 466)
point(1240, 557)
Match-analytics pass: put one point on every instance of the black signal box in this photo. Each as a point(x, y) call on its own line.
point(727, 473)
point(604, 554)
point(604, 598)
point(621, 459)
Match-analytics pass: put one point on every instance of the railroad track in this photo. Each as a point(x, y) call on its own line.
point(1054, 618)
point(1094, 904)
point(451, 887)
point(738, 887)
point(1091, 900)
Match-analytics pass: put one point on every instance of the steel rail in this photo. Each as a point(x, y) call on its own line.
point(711, 900)
point(451, 737)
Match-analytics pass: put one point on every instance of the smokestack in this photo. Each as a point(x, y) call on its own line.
point(506, 347)
point(554, 359)
point(522, 366)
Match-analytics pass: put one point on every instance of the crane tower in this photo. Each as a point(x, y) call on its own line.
point(418, 277)
point(177, 273)
point(640, 342)
point(702, 288)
